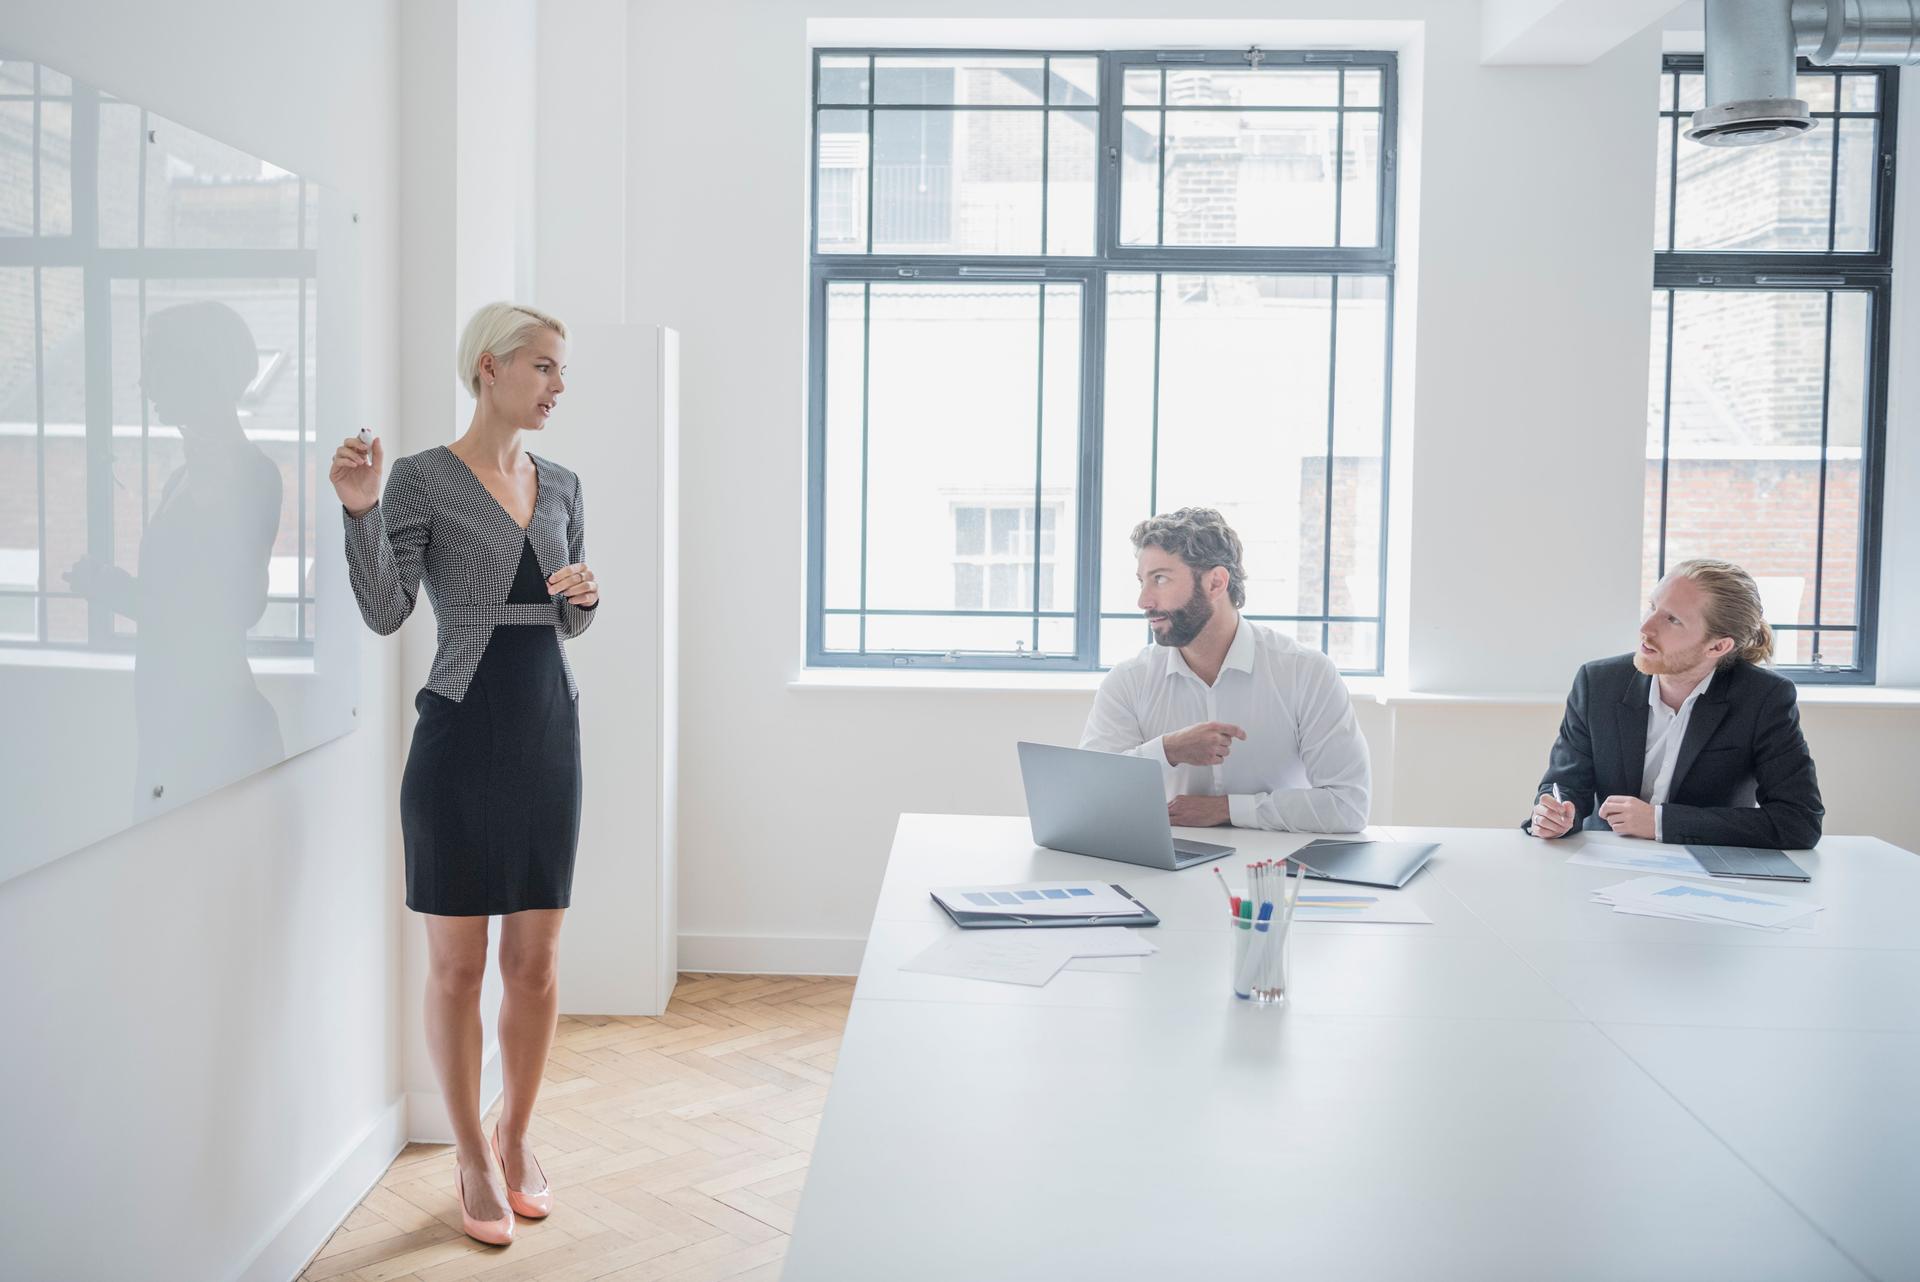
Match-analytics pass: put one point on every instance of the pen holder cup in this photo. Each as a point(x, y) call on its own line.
point(1261, 960)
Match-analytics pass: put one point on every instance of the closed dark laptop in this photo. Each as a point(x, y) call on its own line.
point(1365, 863)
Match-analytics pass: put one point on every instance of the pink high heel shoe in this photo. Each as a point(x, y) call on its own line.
point(535, 1206)
point(493, 1232)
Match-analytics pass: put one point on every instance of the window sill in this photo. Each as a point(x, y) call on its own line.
point(1376, 690)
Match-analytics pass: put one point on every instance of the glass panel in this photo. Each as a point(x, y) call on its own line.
point(1846, 421)
point(56, 169)
point(202, 194)
point(1666, 92)
point(1073, 169)
point(846, 386)
point(1663, 183)
point(1854, 206)
point(1693, 92)
point(16, 168)
point(956, 182)
point(66, 620)
point(1142, 87)
point(19, 454)
point(843, 79)
point(1359, 438)
point(1360, 180)
point(1656, 447)
point(1075, 82)
point(1837, 650)
point(1744, 461)
point(1056, 541)
point(1756, 198)
point(1243, 377)
point(841, 175)
point(1258, 178)
point(54, 82)
point(1126, 469)
point(1860, 93)
point(1793, 648)
point(958, 81)
point(954, 399)
point(16, 76)
point(1121, 639)
point(64, 497)
point(941, 633)
point(1234, 87)
point(1816, 91)
point(1363, 87)
point(1140, 177)
point(119, 174)
point(841, 632)
point(1056, 636)
point(1355, 647)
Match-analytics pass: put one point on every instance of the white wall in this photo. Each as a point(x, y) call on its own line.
point(1518, 431)
point(201, 1017)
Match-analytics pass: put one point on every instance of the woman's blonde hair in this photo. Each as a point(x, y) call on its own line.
point(1733, 608)
point(499, 329)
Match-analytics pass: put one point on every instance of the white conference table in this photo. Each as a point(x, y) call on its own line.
point(1531, 1087)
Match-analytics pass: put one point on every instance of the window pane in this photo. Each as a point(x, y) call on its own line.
point(1075, 82)
point(16, 76)
point(64, 498)
point(955, 404)
point(1836, 650)
point(956, 182)
point(958, 81)
point(1359, 438)
point(19, 455)
point(1363, 87)
point(1126, 469)
point(56, 169)
point(941, 633)
point(1121, 639)
point(1253, 178)
point(1693, 92)
point(841, 178)
point(841, 632)
point(1816, 91)
point(1744, 460)
point(1360, 180)
point(1059, 512)
point(119, 174)
point(1355, 647)
point(1140, 177)
point(1072, 172)
point(1666, 92)
point(1846, 418)
point(16, 168)
point(1860, 93)
point(1243, 420)
point(1142, 87)
point(841, 491)
point(843, 79)
point(1854, 209)
point(1773, 197)
point(1233, 87)
point(1663, 183)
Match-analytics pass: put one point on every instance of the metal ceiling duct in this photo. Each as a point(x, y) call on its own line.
point(1751, 47)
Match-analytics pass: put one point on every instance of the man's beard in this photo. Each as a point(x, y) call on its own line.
point(1664, 663)
point(1186, 623)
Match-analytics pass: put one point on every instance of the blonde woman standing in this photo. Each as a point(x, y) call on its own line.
point(490, 801)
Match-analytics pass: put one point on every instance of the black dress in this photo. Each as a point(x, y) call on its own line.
point(490, 802)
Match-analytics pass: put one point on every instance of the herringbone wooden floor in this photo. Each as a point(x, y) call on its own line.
point(676, 1147)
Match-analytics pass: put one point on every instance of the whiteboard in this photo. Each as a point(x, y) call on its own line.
point(177, 349)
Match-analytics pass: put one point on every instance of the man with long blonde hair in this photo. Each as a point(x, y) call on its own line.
point(1692, 738)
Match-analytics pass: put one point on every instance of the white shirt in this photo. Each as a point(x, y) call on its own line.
point(1303, 766)
point(1666, 731)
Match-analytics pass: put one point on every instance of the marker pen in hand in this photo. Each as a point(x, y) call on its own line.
point(366, 439)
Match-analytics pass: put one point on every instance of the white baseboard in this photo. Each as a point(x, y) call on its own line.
point(771, 954)
point(332, 1199)
point(427, 1113)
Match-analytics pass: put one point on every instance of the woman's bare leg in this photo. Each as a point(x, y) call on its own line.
point(529, 954)
point(456, 966)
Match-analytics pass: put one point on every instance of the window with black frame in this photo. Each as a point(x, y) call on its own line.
point(1767, 398)
point(1055, 293)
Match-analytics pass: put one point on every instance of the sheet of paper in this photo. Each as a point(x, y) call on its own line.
point(1319, 902)
point(1111, 965)
point(1040, 899)
point(1665, 896)
point(1637, 856)
point(1004, 956)
point(1030, 957)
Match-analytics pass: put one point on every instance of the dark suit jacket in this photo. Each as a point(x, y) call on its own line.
point(1743, 778)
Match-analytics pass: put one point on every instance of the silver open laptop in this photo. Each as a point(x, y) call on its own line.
point(1104, 804)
